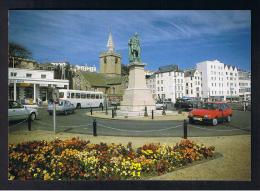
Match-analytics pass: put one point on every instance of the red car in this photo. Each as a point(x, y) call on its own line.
point(211, 112)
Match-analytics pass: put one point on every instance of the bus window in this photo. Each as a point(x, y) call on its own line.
point(61, 95)
point(88, 96)
point(68, 95)
point(77, 95)
point(100, 96)
point(83, 96)
point(92, 96)
point(72, 95)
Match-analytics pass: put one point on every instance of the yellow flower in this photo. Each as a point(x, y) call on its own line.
point(133, 173)
point(47, 176)
point(138, 173)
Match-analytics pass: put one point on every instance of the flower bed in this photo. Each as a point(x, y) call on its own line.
point(76, 159)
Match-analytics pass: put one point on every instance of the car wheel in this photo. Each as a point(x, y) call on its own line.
point(50, 113)
point(100, 105)
point(228, 118)
point(78, 106)
point(33, 116)
point(215, 121)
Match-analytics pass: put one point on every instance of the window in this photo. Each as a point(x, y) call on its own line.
point(169, 73)
point(13, 74)
point(97, 96)
point(158, 88)
point(187, 84)
point(100, 96)
point(191, 91)
point(28, 75)
point(43, 76)
point(191, 78)
point(161, 81)
point(181, 87)
point(197, 88)
point(178, 80)
point(190, 84)
point(187, 91)
point(68, 95)
point(83, 96)
point(72, 95)
point(212, 84)
point(181, 80)
point(161, 74)
point(78, 95)
point(61, 95)
point(161, 88)
point(92, 96)
point(158, 82)
point(88, 96)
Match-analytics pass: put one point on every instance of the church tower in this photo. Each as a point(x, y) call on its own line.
point(110, 61)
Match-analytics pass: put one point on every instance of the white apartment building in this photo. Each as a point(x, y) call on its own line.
point(219, 81)
point(244, 80)
point(193, 83)
point(148, 72)
point(86, 68)
point(26, 85)
point(59, 63)
point(169, 83)
point(232, 83)
point(150, 83)
point(213, 79)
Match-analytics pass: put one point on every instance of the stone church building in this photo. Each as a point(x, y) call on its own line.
point(109, 80)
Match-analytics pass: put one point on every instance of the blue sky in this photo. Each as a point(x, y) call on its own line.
point(167, 37)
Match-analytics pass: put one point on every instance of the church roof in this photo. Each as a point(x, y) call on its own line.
point(110, 43)
point(102, 80)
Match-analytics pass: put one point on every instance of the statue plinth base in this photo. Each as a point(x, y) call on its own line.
point(137, 96)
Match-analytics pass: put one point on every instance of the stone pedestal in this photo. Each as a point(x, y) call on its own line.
point(137, 95)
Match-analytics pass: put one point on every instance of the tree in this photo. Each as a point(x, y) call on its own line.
point(17, 50)
point(124, 70)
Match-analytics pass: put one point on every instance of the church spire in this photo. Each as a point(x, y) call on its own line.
point(110, 43)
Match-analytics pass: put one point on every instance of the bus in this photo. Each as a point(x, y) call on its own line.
point(82, 99)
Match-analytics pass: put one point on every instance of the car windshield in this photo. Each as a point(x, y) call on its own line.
point(211, 106)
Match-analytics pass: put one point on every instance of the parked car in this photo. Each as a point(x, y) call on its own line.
point(160, 105)
point(63, 106)
point(17, 111)
point(211, 112)
point(185, 104)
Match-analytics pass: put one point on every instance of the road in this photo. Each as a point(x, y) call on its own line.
point(79, 122)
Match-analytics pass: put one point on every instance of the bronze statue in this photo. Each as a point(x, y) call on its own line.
point(134, 49)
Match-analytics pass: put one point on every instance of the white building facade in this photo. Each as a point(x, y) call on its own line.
point(59, 63)
point(150, 83)
point(193, 83)
point(232, 82)
point(86, 68)
point(244, 80)
point(219, 81)
point(26, 85)
point(169, 83)
point(213, 79)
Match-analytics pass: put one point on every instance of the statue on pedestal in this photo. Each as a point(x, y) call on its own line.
point(134, 49)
